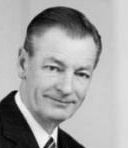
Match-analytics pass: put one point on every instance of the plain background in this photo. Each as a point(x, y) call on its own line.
point(101, 122)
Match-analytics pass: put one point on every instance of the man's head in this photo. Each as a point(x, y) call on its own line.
point(56, 64)
point(72, 21)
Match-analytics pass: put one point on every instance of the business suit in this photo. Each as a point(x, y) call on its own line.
point(15, 132)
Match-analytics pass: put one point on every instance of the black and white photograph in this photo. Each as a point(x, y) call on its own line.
point(63, 74)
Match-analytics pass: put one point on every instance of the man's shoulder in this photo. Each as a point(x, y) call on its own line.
point(67, 138)
point(7, 98)
point(7, 104)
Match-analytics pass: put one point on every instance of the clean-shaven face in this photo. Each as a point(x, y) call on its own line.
point(58, 75)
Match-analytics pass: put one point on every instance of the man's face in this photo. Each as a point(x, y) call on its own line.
point(58, 75)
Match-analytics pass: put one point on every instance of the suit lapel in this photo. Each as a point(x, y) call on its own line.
point(62, 139)
point(15, 128)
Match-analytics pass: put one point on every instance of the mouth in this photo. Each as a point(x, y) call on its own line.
point(60, 101)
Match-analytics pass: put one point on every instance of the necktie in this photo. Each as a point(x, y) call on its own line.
point(50, 143)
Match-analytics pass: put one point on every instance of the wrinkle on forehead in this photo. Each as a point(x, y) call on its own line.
point(57, 43)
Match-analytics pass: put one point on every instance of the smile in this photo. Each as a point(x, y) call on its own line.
point(59, 100)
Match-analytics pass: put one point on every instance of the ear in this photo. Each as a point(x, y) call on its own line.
point(22, 63)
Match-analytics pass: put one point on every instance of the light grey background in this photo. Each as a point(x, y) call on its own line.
point(94, 124)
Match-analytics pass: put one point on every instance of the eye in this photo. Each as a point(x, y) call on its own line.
point(52, 68)
point(83, 75)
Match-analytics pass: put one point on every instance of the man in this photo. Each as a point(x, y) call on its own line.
point(56, 63)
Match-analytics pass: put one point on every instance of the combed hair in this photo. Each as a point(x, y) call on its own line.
point(75, 23)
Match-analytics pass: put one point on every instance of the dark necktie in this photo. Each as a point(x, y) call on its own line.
point(50, 143)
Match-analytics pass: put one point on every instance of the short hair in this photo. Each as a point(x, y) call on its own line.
point(71, 20)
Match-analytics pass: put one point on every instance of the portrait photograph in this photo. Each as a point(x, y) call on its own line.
point(63, 74)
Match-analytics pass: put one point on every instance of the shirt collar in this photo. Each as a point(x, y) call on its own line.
point(40, 134)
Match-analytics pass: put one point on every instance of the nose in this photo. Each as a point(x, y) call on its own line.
point(65, 84)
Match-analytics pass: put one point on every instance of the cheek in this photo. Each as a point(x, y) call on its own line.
point(81, 90)
point(44, 82)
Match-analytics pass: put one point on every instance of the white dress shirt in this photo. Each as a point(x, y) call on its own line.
point(40, 134)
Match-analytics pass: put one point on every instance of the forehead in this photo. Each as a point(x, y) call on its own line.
point(57, 43)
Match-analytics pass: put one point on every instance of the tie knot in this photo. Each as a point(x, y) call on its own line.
point(50, 143)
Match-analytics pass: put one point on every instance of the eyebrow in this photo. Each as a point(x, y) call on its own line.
point(56, 61)
point(88, 68)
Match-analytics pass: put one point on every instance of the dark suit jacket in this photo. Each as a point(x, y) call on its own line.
point(15, 132)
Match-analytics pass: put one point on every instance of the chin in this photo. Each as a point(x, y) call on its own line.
point(61, 117)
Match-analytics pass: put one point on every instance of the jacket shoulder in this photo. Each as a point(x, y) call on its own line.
point(4, 111)
point(8, 97)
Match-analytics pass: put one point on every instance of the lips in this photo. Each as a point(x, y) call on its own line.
point(57, 99)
